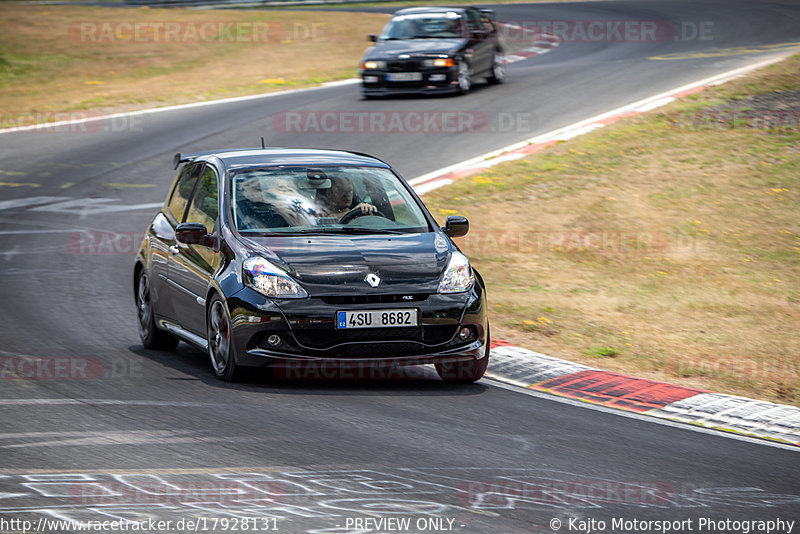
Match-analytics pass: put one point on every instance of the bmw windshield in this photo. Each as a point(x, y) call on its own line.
point(326, 199)
point(445, 25)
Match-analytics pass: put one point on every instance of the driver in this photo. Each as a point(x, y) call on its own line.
point(336, 200)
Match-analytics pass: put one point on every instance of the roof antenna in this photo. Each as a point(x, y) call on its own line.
point(262, 143)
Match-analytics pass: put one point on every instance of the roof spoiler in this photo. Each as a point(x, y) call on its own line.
point(178, 159)
point(488, 12)
point(186, 158)
point(366, 156)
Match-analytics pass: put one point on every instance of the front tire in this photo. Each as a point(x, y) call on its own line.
point(152, 336)
point(464, 78)
point(220, 342)
point(498, 70)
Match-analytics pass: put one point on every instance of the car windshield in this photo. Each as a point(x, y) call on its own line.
point(443, 25)
point(290, 200)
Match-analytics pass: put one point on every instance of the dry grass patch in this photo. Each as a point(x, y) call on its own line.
point(666, 246)
point(65, 58)
point(414, 3)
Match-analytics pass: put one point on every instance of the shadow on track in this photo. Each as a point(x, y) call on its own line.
point(412, 381)
point(478, 85)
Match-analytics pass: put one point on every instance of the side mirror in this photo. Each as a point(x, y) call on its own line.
point(489, 13)
point(456, 226)
point(373, 38)
point(193, 233)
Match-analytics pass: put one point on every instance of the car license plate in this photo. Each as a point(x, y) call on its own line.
point(404, 76)
point(376, 318)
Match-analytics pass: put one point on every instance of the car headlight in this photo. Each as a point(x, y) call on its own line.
point(458, 276)
point(270, 281)
point(440, 62)
point(371, 65)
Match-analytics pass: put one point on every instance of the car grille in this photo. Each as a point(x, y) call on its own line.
point(373, 299)
point(418, 337)
point(403, 66)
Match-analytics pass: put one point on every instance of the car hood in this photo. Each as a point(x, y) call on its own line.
point(338, 264)
point(413, 47)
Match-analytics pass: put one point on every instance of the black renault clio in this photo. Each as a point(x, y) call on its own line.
point(286, 257)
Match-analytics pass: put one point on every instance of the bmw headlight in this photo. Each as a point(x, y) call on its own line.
point(270, 281)
point(439, 62)
point(372, 65)
point(457, 276)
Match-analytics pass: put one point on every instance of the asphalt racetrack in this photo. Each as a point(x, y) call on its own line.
point(111, 431)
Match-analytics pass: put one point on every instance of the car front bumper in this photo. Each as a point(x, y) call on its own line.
point(435, 80)
point(308, 333)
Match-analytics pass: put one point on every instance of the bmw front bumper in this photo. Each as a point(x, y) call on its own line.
point(434, 80)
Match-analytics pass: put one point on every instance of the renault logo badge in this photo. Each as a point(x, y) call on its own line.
point(373, 280)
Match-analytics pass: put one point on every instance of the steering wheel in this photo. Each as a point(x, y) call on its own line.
point(356, 212)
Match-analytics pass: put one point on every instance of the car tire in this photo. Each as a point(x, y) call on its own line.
point(464, 372)
point(464, 77)
point(220, 343)
point(152, 336)
point(498, 70)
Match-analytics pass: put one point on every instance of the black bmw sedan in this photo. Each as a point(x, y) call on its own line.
point(297, 257)
point(433, 50)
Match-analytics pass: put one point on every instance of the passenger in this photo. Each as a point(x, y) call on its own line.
point(281, 207)
point(336, 201)
point(249, 199)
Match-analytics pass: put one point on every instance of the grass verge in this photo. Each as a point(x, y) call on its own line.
point(58, 59)
point(665, 246)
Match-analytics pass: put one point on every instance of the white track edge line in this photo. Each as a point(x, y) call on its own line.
point(48, 125)
point(716, 79)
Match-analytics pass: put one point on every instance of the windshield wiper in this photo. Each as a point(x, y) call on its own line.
point(348, 230)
